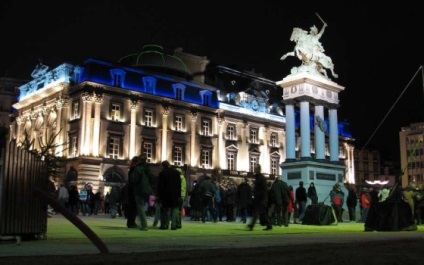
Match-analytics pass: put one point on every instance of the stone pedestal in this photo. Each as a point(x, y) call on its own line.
point(317, 159)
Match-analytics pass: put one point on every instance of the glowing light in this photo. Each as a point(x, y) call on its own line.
point(377, 182)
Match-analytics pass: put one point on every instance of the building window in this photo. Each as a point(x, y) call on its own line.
point(179, 122)
point(274, 166)
point(74, 146)
point(149, 84)
point(75, 109)
point(206, 97)
point(115, 112)
point(178, 155)
point(274, 139)
point(114, 146)
point(206, 127)
point(231, 132)
point(231, 161)
point(254, 135)
point(148, 117)
point(253, 162)
point(148, 151)
point(117, 77)
point(205, 158)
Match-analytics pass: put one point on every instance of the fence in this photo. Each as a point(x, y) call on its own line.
point(22, 213)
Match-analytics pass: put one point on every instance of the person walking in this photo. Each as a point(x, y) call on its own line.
point(244, 199)
point(301, 198)
point(260, 201)
point(142, 190)
point(337, 201)
point(169, 193)
point(182, 198)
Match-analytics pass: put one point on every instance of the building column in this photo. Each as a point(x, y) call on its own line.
point(264, 159)
point(96, 127)
point(243, 162)
point(305, 131)
point(133, 118)
point(165, 133)
point(86, 99)
point(193, 139)
point(65, 121)
point(319, 134)
point(59, 136)
point(290, 132)
point(219, 153)
point(334, 135)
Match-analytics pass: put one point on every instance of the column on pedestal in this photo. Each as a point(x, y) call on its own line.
point(290, 132)
point(334, 135)
point(305, 131)
point(319, 134)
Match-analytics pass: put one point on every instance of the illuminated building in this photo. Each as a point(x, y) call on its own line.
point(213, 120)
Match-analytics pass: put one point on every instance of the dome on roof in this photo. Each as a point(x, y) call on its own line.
point(152, 57)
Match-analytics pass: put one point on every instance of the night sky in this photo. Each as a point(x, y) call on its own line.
point(377, 51)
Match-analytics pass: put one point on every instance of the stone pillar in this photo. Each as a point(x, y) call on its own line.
point(305, 131)
point(334, 135)
point(290, 132)
point(319, 134)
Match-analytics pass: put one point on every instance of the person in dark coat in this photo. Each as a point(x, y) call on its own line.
point(207, 194)
point(301, 198)
point(244, 199)
point(142, 190)
point(351, 203)
point(169, 193)
point(312, 194)
point(260, 201)
point(130, 206)
point(280, 196)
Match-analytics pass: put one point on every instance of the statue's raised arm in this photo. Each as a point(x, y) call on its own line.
point(310, 51)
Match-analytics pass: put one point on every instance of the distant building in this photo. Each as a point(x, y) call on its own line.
point(206, 119)
point(9, 92)
point(412, 153)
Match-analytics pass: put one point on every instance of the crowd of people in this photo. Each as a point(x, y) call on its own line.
point(166, 198)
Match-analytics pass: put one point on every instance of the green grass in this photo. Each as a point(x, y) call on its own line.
point(108, 228)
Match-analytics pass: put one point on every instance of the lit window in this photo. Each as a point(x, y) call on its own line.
point(74, 146)
point(179, 122)
point(206, 127)
point(178, 155)
point(115, 112)
point(231, 159)
point(231, 132)
point(75, 109)
point(114, 147)
point(205, 158)
point(148, 118)
point(253, 162)
point(274, 139)
point(274, 166)
point(254, 136)
point(148, 151)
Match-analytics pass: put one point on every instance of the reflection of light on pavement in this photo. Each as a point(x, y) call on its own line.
point(377, 182)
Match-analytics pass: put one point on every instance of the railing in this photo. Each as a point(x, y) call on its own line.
point(22, 214)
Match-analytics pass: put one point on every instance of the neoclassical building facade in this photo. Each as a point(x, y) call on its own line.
point(208, 120)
